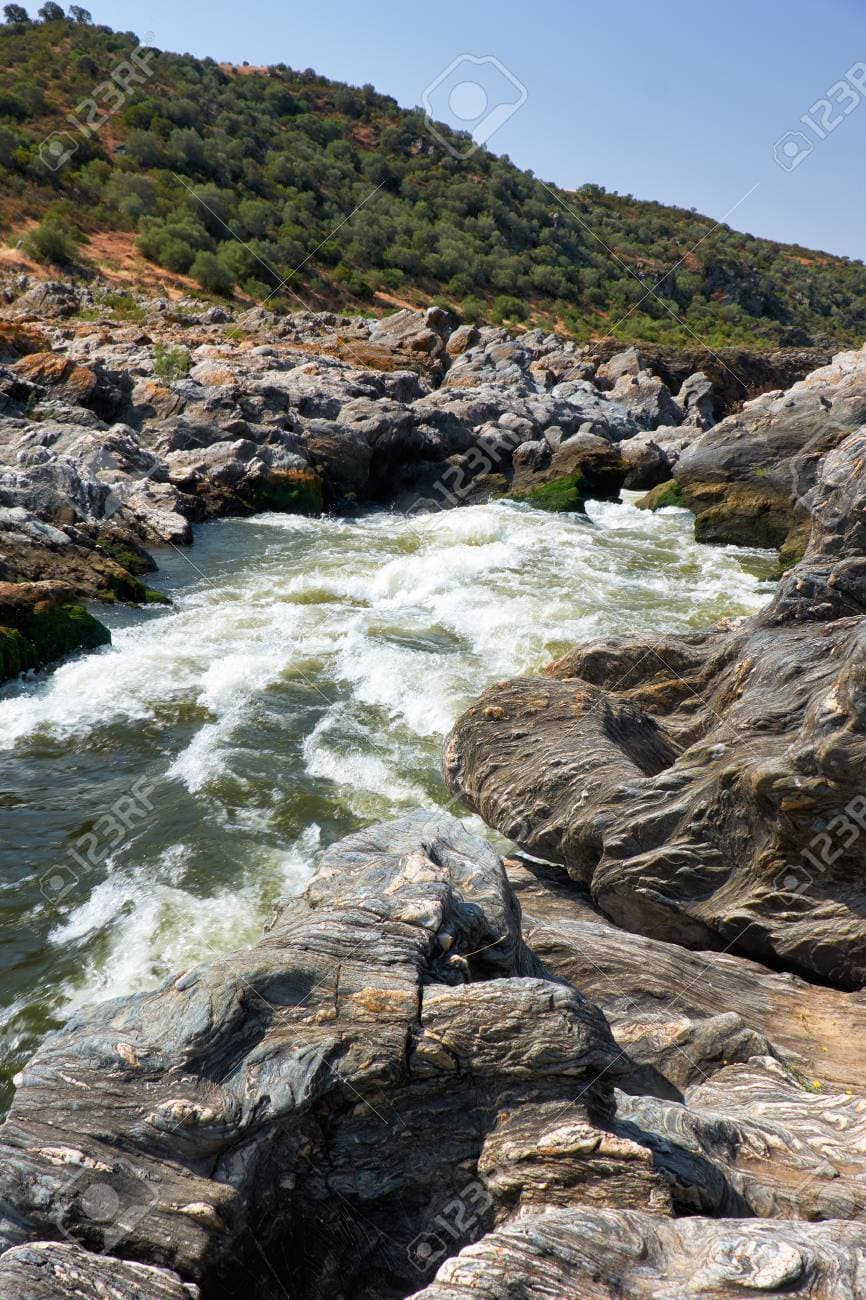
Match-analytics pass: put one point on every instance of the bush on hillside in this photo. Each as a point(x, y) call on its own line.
point(212, 275)
point(53, 243)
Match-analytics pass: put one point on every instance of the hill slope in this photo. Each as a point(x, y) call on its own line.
point(238, 176)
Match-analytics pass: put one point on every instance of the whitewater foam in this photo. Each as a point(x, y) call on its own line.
point(299, 690)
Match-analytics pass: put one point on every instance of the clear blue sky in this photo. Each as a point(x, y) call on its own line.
point(676, 101)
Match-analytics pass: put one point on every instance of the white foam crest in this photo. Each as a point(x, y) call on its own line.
point(155, 927)
point(507, 582)
point(327, 755)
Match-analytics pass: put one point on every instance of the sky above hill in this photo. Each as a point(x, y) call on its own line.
point(697, 105)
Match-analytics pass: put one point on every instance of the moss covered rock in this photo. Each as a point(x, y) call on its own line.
point(584, 468)
point(40, 622)
point(665, 494)
point(740, 514)
point(561, 494)
point(294, 492)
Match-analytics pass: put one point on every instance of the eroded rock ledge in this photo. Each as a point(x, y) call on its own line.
point(706, 788)
point(391, 1075)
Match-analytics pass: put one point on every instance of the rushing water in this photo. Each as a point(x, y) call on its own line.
point(299, 688)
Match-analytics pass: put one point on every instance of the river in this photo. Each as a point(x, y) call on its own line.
point(158, 797)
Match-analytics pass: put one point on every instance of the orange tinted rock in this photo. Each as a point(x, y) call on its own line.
point(55, 371)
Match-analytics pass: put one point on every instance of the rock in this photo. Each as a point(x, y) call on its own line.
point(582, 467)
point(703, 787)
point(646, 765)
point(629, 363)
point(216, 316)
point(681, 1015)
point(788, 1149)
point(695, 400)
point(665, 494)
point(418, 336)
point(628, 1255)
point(750, 479)
point(257, 1089)
point(69, 381)
point(39, 623)
point(461, 339)
point(647, 463)
point(49, 298)
point(18, 339)
point(736, 373)
point(648, 400)
point(33, 551)
point(46, 1270)
point(830, 582)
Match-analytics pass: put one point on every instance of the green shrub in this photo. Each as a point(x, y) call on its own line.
point(212, 275)
point(170, 363)
point(125, 307)
point(52, 243)
point(505, 308)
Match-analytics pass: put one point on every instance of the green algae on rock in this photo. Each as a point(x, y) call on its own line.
point(39, 623)
point(665, 494)
point(561, 494)
point(290, 491)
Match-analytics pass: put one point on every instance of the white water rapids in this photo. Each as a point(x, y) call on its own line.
point(299, 688)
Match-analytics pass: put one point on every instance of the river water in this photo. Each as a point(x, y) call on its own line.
point(299, 688)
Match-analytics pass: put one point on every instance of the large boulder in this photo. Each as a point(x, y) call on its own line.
point(318, 1099)
point(706, 787)
point(750, 479)
point(51, 1270)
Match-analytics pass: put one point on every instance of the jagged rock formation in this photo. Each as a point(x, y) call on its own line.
point(752, 478)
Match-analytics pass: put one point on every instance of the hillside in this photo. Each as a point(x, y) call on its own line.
point(196, 151)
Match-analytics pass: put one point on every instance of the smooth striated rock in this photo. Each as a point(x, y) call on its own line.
point(706, 787)
point(48, 1270)
point(788, 1148)
point(626, 1255)
point(332, 1089)
point(684, 1015)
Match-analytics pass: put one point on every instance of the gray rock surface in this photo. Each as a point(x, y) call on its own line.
point(626, 1255)
point(706, 787)
point(49, 1270)
point(266, 1087)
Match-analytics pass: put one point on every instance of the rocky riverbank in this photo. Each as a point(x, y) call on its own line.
point(123, 421)
point(631, 1069)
